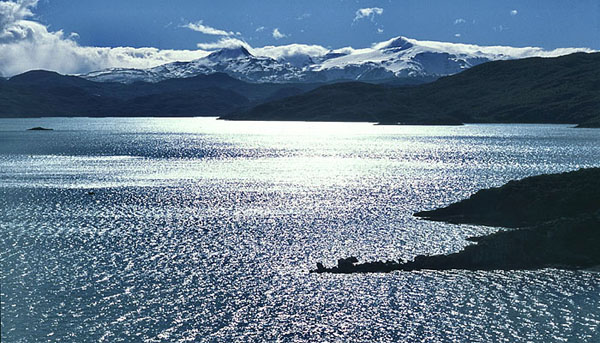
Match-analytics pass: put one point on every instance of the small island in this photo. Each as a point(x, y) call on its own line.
point(555, 220)
point(39, 128)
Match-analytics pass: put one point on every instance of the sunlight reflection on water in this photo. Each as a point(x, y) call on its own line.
point(200, 229)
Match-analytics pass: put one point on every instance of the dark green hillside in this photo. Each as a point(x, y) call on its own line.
point(552, 90)
point(351, 101)
point(594, 122)
point(535, 90)
point(44, 93)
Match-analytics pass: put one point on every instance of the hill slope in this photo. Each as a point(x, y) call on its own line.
point(43, 93)
point(535, 90)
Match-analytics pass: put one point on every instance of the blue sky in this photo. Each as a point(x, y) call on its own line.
point(79, 36)
point(330, 23)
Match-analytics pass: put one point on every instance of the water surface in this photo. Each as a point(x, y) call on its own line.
point(160, 230)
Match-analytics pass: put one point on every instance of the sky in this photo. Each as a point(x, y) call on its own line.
point(79, 36)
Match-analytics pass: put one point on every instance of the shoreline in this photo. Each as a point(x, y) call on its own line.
point(220, 118)
point(555, 220)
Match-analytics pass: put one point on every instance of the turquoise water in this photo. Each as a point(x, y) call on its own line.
point(162, 230)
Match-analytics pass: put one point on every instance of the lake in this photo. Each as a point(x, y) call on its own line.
point(194, 229)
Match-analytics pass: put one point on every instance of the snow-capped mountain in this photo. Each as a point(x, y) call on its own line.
point(399, 57)
point(237, 62)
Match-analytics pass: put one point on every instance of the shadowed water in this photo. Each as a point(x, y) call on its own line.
point(160, 230)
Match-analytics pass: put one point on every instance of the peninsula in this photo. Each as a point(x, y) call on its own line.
point(555, 221)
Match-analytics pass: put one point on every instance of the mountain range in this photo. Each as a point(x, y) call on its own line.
point(397, 58)
point(562, 89)
point(409, 82)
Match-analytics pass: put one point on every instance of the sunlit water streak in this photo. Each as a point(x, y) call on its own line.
point(203, 230)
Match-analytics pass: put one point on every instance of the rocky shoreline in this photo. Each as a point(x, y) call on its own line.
point(557, 221)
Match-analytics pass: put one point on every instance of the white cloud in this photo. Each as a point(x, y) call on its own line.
point(207, 30)
point(380, 30)
point(514, 12)
point(295, 54)
point(11, 13)
point(285, 51)
point(260, 29)
point(369, 12)
point(459, 21)
point(224, 43)
point(27, 45)
point(277, 34)
point(457, 35)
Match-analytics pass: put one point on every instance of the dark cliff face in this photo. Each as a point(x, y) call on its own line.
point(558, 217)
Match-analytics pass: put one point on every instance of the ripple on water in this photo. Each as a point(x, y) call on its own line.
point(192, 234)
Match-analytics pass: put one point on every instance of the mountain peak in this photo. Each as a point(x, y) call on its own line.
point(230, 53)
point(399, 43)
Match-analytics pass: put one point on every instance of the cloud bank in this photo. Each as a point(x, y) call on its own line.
point(27, 45)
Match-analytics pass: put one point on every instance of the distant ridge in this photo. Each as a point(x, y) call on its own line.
point(534, 90)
